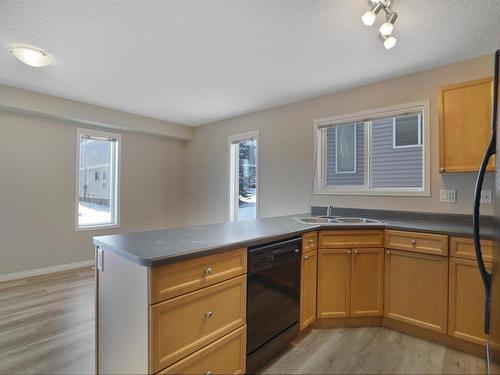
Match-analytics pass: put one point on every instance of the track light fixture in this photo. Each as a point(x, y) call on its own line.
point(387, 27)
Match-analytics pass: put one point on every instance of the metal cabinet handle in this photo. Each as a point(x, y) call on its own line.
point(413, 242)
point(208, 372)
point(208, 271)
point(349, 251)
point(355, 252)
point(311, 241)
point(306, 257)
point(209, 314)
point(388, 252)
point(296, 251)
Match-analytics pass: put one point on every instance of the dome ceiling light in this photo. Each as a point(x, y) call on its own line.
point(31, 56)
point(386, 29)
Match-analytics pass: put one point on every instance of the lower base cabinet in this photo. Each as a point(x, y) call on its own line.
point(466, 303)
point(224, 356)
point(350, 282)
point(308, 288)
point(416, 289)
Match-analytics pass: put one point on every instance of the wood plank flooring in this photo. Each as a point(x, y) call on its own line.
point(47, 324)
point(47, 327)
point(373, 350)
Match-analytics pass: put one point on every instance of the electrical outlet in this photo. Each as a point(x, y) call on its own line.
point(485, 196)
point(448, 196)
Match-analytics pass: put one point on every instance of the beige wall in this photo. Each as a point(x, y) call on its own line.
point(37, 191)
point(287, 157)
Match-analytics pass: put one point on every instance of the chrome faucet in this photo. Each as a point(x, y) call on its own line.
point(329, 211)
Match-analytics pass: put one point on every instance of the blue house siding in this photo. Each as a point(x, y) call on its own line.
point(357, 178)
point(393, 167)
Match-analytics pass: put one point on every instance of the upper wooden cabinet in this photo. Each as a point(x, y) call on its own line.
point(465, 111)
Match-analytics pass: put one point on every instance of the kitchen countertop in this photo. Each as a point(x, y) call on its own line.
point(153, 248)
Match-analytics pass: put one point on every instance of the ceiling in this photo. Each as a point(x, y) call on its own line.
point(196, 62)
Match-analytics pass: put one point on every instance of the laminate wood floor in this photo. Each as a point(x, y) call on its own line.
point(373, 350)
point(47, 324)
point(47, 327)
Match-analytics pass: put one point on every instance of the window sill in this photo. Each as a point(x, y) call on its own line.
point(97, 227)
point(386, 193)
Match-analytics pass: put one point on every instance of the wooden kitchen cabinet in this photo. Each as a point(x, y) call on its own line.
point(466, 302)
point(416, 289)
point(334, 274)
point(367, 282)
point(308, 288)
point(465, 111)
point(350, 282)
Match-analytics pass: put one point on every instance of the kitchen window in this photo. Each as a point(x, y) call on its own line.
point(379, 152)
point(97, 200)
point(243, 176)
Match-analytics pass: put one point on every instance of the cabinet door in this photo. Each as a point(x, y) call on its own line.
point(367, 282)
point(416, 289)
point(334, 273)
point(308, 288)
point(466, 311)
point(465, 124)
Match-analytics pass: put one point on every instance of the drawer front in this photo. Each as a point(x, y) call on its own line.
point(309, 241)
point(224, 356)
point(347, 239)
point(436, 244)
point(183, 325)
point(461, 247)
point(175, 279)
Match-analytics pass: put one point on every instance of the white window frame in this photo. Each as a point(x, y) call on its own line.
point(354, 171)
point(234, 172)
point(367, 117)
point(419, 136)
point(116, 172)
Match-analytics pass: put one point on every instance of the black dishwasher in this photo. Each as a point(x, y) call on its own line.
point(273, 299)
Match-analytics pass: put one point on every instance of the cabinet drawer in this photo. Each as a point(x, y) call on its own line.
point(461, 247)
point(182, 325)
point(346, 239)
point(309, 241)
point(436, 244)
point(172, 280)
point(224, 356)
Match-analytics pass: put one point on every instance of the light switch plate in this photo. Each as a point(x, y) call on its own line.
point(448, 196)
point(486, 196)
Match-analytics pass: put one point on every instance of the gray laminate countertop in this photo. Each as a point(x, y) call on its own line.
point(153, 248)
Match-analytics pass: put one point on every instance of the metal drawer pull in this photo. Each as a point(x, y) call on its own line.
point(208, 372)
point(208, 271)
point(209, 314)
point(355, 251)
point(296, 251)
point(387, 252)
point(348, 251)
point(413, 242)
point(306, 257)
point(311, 241)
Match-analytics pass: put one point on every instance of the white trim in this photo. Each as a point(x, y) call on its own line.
point(355, 125)
point(117, 182)
point(233, 173)
point(45, 270)
point(367, 117)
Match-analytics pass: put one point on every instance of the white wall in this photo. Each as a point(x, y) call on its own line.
point(37, 190)
point(287, 156)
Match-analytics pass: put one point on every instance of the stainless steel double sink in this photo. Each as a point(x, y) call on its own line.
point(332, 220)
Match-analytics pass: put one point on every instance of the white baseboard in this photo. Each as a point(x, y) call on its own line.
point(45, 270)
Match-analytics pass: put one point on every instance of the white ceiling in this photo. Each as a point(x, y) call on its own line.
point(195, 62)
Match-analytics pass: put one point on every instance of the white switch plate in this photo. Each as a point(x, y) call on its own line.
point(485, 196)
point(448, 196)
